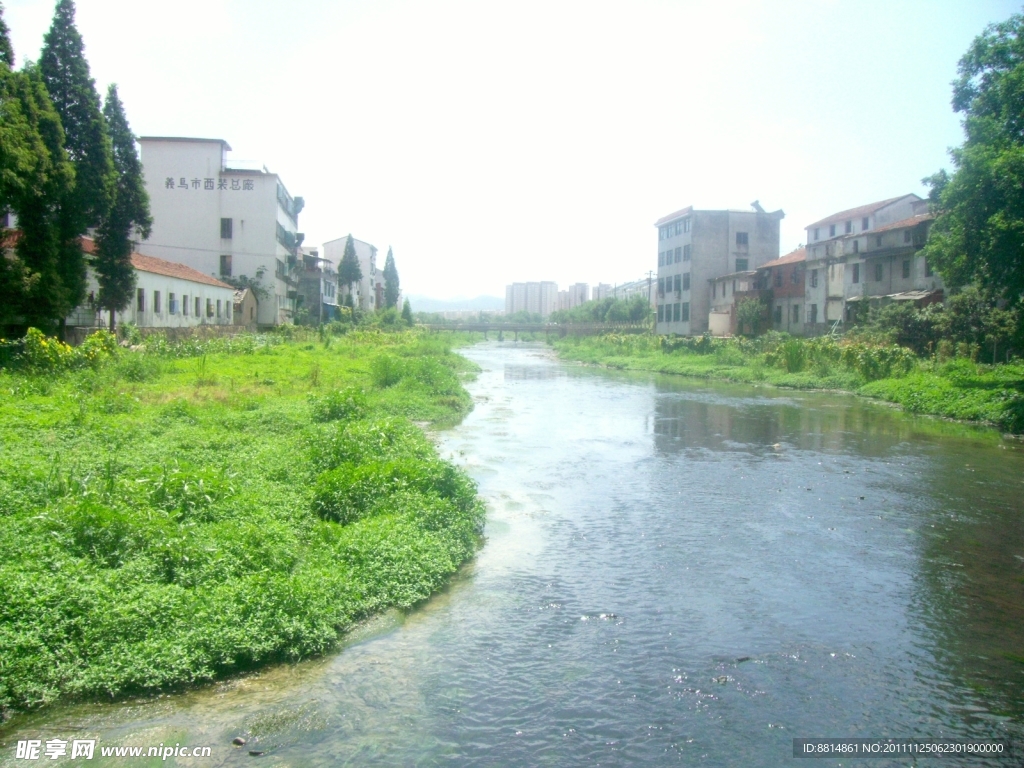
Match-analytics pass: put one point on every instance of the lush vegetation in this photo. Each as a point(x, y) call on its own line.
point(182, 512)
point(978, 236)
point(951, 382)
point(635, 309)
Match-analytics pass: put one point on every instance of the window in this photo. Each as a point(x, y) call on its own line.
point(225, 228)
point(227, 309)
point(778, 278)
point(831, 230)
point(725, 290)
point(661, 313)
point(225, 263)
point(849, 227)
point(684, 312)
point(679, 255)
point(878, 272)
point(218, 307)
point(814, 314)
point(856, 246)
point(661, 286)
point(741, 265)
point(741, 238)
point(906, 236)
point(927, 268)
point(864, 224)
point(856, 273)
point(184, 305)
point(686, 225)
point(796, 313)
point(817, 233)
point(878, 242)
point(686, 253)
point(198, 306)
point(172, 304)
point(686, 281)
point(814, 278)
point(209, 307)
point(678, 283)
point(140, 300)
point(661, 258)
point(795, 277)
point(734, 287)
point(675, 312)
point(156, 302)
point(679, 227)
point(778, 314)
point(906, 268)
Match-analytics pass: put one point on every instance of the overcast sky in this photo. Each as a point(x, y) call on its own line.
point(491, 142)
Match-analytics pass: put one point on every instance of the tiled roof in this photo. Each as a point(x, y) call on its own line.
point(162, 267)
point(856, 213)
point(912, 221)
point(800, 254)
point(674, 216)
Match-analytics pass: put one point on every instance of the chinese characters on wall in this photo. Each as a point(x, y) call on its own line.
point(246, 185)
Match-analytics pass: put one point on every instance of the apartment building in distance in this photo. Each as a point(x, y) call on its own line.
point(696, 246)
point(870, 253)
point(574, 295)
point(222, 220)
point(367, 293)
point(537, 298)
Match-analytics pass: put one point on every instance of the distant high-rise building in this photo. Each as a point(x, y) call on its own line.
point(538, 298)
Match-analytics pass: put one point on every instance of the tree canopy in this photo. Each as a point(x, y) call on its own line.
point(349, 271)
point(978, 235)
point(391, 285)
point(128, 214)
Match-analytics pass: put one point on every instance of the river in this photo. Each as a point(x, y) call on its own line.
point(674, 573)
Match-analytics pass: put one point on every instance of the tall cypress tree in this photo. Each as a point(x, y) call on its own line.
point(40, 296)
point(128, 213)
point(73, 91)
point(390, 281)
point(349, 271)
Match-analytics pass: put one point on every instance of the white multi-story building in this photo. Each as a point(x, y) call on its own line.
point(695, 247)
point(367, 293)
point(539, 298)
point(224, 221)
point(602, 291)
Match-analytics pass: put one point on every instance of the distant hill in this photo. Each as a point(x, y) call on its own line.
point(427, 304)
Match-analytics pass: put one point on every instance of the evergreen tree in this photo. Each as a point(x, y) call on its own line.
point(32, 290)
point(6, 49)
point(407, 313)
point(73, 92)
point(349, 271)
point(390, 281)
point(128, 213)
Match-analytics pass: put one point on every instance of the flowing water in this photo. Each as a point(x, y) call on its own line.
point(674, 573)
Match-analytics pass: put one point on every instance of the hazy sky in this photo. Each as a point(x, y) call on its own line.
point(488, 142)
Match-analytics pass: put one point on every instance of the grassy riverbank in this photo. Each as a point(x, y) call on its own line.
point(173, 516)
point(956, 388)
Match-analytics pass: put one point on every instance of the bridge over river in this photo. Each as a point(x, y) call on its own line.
point(548, 329)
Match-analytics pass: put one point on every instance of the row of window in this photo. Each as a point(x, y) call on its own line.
point(674, 313)
point(671, 230)
point(880, 271)
point(675, 283)
point(848, 228)
point(173, 308)
point(680, 254)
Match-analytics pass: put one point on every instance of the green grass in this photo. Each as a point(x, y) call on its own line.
point(958, 389)
point(167, 519)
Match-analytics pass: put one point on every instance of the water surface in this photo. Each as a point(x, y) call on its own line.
point(674, 573)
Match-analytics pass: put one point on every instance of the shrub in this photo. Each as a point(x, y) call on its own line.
point(874, 363)
point(386, 370)
point(347, 404)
